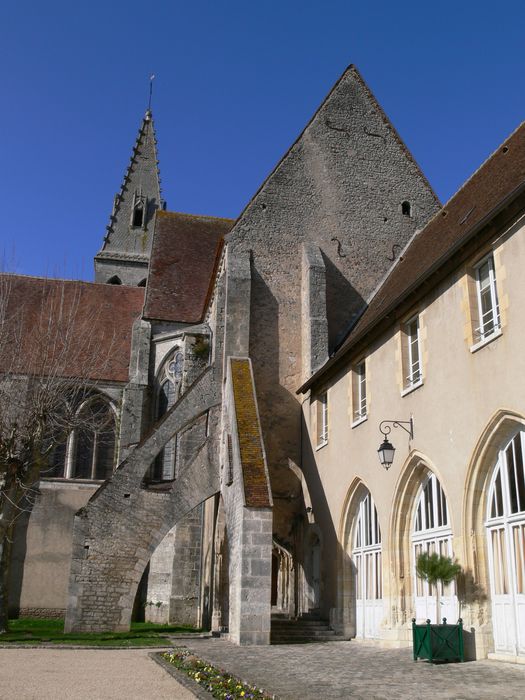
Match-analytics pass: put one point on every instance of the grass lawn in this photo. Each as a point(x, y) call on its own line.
point(35, 631)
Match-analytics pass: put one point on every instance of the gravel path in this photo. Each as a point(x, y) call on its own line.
point(85, 674)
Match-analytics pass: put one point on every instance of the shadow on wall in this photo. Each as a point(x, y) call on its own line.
point(330, 552)
point(279, 409)
point(343, 303)
point(16, 572)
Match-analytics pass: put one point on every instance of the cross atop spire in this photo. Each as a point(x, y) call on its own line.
point(151, 79)
point(125, 252)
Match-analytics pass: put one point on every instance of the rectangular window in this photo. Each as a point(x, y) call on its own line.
point(487, 296)
point(413, 353)
point(322, 419)
point(359, 391)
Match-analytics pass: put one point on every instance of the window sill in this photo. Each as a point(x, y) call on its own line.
point(60, 482)
point(358, 421)
point(412, 387)
point(481, 343)
point(321, 445)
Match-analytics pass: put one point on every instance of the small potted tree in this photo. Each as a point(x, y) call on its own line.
point(438, 642)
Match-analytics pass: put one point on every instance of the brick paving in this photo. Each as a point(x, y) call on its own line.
point(360, 670)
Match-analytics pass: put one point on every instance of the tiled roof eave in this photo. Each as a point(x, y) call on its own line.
point(362, 333)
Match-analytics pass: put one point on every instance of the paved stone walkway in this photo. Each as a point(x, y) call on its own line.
point(85, 674)
point(360, 670)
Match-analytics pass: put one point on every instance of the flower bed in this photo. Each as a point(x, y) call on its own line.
point(216, 681)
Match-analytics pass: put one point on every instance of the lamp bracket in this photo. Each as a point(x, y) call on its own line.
point(397, 424)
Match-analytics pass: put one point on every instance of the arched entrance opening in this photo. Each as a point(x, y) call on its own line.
point(313, 573)
point(505, 528)
point(432, 533)
point(282, 587)
point(368, 569)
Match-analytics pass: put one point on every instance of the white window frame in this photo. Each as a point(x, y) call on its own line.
point(493, 314)
point(415, 374)
point(506, 572)
point(322, 413)
point(368, 567)
point(359, 393)
point(436, 537)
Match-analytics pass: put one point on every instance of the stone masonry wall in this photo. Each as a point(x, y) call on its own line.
point(249, 531)
point(340, 187)
point(117, 532)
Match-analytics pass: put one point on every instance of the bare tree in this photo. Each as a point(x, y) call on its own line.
point(51, 360)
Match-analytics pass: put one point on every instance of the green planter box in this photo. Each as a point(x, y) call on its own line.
point(438, 642)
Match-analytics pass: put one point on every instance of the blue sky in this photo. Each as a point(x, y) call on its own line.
point(235, 84)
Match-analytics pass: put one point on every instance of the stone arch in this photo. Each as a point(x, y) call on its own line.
point(312, 579)
point(346, 593)
point(283, 579)
point(115, 535)
point(220, 620)
point(416, 467)
point(475, 584)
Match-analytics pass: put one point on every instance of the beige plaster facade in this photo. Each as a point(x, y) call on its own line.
point(467, 406)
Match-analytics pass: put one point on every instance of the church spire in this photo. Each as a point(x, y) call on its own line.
point(125, 252)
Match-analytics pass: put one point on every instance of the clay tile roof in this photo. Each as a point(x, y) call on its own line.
point(184, 255)
point(67, 328)
point(254, 471)
point(495, 183)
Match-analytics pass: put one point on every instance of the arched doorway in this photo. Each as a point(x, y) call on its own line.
point(505, 527)
point(367, 564)
point(313, 573)
point(431, 532)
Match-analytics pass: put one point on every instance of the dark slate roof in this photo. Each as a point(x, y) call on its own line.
point(67, 328)
point(488, 190)
point(253, 463)
point(185, 252)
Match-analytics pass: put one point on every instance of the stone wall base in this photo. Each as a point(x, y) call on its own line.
point(43, 613)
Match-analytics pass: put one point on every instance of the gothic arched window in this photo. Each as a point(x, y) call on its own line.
point(93, 448)
point(169, 380)
point(366, 558)
point(506, 544)
point(89, 450)
point(432, 533)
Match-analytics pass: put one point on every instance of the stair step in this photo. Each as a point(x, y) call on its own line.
point(299, 625)
point(301, 633)
point(300, 630)
point(307, 640)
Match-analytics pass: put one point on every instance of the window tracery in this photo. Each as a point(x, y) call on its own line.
point(89, 450)
point(168, 391)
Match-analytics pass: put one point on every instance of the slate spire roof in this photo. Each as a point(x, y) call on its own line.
point(130, 229)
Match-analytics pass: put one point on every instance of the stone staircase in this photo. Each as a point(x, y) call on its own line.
point(307, 628)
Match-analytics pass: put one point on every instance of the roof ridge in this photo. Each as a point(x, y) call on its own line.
point(164, 212)
point(490, 188)
point(473, 175)
point(419, 232)
point(69, 281)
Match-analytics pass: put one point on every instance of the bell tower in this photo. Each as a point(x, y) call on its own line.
point(124, 256)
